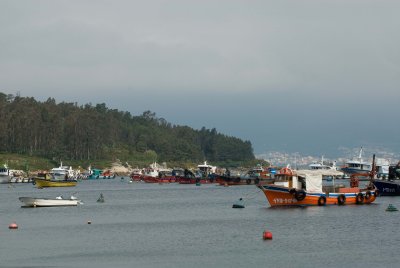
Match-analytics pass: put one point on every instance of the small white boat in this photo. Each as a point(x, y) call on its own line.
point(49, 202)
point(5, 174)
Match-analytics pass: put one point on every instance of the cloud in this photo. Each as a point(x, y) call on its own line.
point(318, 59)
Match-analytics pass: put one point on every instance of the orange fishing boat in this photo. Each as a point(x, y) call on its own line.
point(304, 188)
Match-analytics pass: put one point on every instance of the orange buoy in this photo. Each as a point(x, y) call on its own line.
point(267, 235)
point(13, 226)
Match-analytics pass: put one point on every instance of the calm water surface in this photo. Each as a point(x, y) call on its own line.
point(152, 225)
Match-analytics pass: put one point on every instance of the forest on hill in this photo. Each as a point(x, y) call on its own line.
point(69, 131)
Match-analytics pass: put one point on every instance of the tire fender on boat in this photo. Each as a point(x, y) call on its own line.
point(359, 198)
point(367, 195)
point(341, 199)
point(292, 191)
point(248, 181)
point(300, 195)
point(376, 192)
point(321, 201)
point(257, 181)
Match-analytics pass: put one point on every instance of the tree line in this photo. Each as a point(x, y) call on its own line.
point(89, 132)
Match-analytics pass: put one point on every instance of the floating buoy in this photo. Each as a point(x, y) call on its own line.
point(267, 235)
point(238, 204)
point(13, 226)
point(89, 222)
point(391, 208)
point(101, 198)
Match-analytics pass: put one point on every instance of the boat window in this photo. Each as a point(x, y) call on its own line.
point(302, 182)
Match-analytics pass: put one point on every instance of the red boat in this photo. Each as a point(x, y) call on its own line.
point(190, 178)
point(254, 176)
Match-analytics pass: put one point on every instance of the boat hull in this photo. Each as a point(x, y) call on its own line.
point(5, 179)
point(388, 188)
point(187, 180)
point(282, 196)
point(40, 183)
point(350, 171)
point(48, 202)
point(231, 181)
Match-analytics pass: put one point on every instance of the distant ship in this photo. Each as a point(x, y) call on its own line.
point(322, 165)
point(359, 166)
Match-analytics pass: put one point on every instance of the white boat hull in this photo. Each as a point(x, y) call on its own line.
point(48, 202)
point(5, 179)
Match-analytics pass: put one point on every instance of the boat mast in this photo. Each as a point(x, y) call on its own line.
point(373, 168)
point(360, 154)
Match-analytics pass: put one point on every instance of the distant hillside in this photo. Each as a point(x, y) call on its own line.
point(71, 132)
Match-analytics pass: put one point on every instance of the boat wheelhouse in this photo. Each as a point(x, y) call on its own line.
point(62, 172)
point(206, 169)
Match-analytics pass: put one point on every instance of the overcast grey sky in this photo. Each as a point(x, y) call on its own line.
point(306, 76)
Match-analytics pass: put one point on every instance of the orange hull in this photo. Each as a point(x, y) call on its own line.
point(280, 196)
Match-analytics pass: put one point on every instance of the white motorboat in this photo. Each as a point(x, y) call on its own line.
point(49, 202)
point(62, 172)
point(5, 174)
point(358, 166)
point(322, 165)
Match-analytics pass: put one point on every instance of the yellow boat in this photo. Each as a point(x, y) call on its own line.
point(49, 181)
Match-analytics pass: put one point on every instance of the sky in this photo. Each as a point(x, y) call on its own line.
point(306, 76)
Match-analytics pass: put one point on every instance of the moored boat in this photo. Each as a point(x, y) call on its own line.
point(255, 175)
point(62, 172)
point(304, 188)
point(49, 202)
point(188, 177)
point(5, 174)
point(50, 181)
point(389, 186)
point(41, 183)
point(92, 173)
point(357, 165)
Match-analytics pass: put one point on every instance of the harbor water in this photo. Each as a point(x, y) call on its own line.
point(173, 225)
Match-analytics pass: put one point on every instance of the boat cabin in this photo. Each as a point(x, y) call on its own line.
point(359, 165)
point(303, 180)
point(4, 171)
point(206, 169)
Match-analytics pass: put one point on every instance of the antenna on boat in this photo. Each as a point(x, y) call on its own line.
point(360, 154)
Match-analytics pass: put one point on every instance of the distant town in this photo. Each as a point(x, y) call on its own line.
point(298, 160)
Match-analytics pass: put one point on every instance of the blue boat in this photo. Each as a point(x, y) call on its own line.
point(391, 186)
point(94, 173)
point(388, 188)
